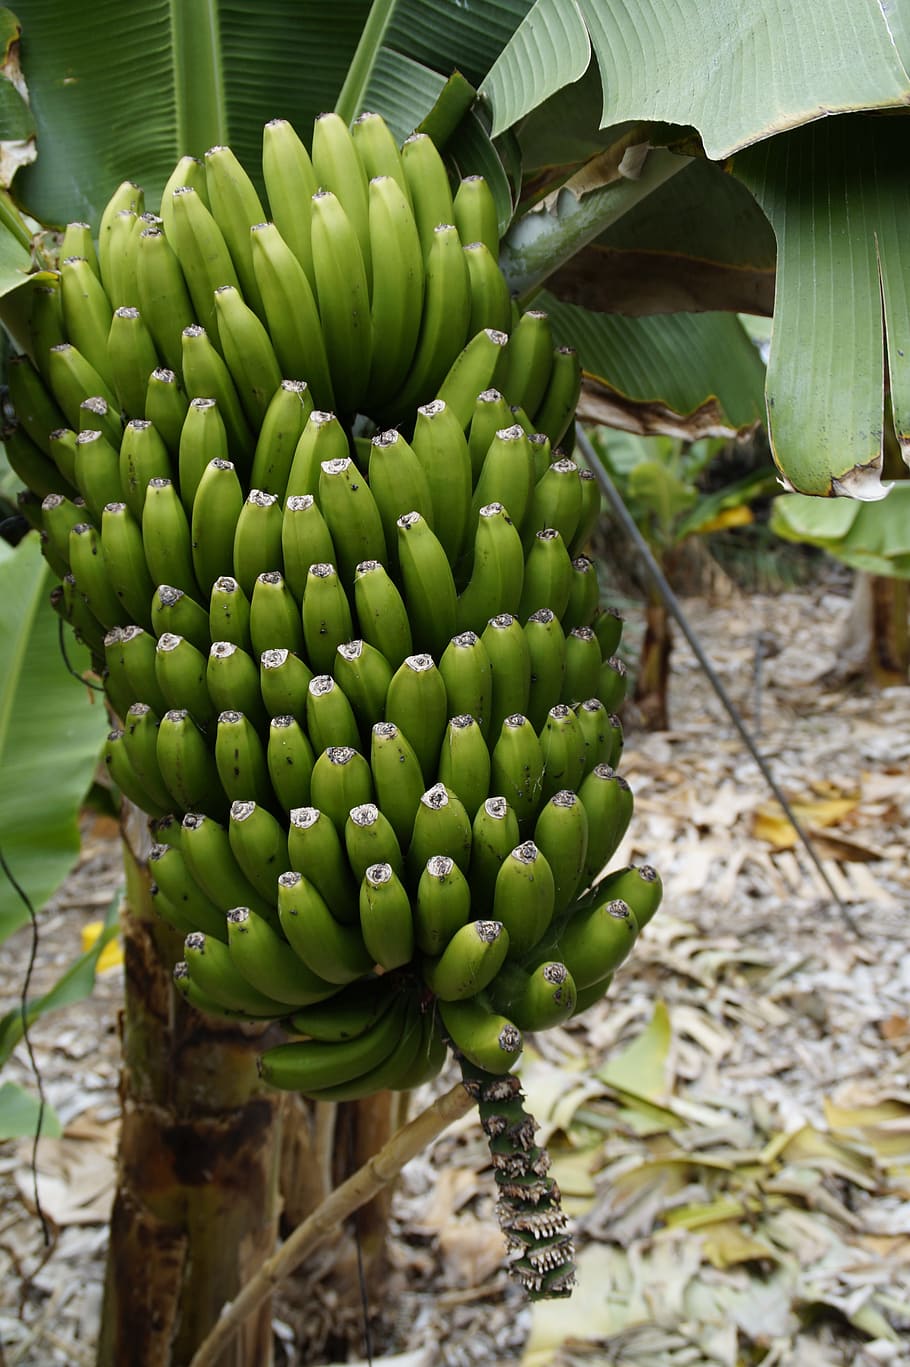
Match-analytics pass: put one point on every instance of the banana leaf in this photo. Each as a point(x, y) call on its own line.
point(874, 537)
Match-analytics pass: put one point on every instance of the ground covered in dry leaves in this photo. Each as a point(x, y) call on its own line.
point(730, 1129)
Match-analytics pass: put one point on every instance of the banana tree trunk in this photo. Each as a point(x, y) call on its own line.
point(653, 679)
point(197, 1205)
point(876, 642)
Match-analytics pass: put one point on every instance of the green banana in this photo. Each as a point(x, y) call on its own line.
point(494, 834)
point(36, 410)
point(590, 512)
point(395, 1070)
point(466, 671)
point(539, 1000)
point(260, 845)
point(529, 361)
point(517, 766)
point(547, 652)
point(349, 1013)
point(429, 589)
point(76, 611)
point(166, 405)
point(607, 800)
point(315, 847)
point(397, 777)
point(290, 762)
point(464, 762)
point(556, 501)
point(489, 415)
point(96, 415)
point(206, 848)
point(640, 887)
point(45, 318)
point(593, 943)
point(442, 905)
point(212, 969)
point(476, 365)
point(491, 303)
point(330, 718)
point(428, 183)
point(488, 1040)
point(323, 439)
point(327, 621)
point(97, 472)
point(230, 613)
point(123, 776)
point(396, 305)
point(563, 746)
point(305, 541)
point(32, 467)
point(611, 687)
point(524, 897)
point(469, 962)
point(199, 246)
point(169, 871)
point(87, 314)
point(583, 666)
point(342, 292)
point(236, 208)
point(187, 766)
point(283, 682)
point(338, 168)
point(557, 407)
point(203, 439)
point(597, 731)
point(290, 310)
point(282, 426)
point(333, 951)
point(364, 674)
point(164, 301)
point(340, 780)
point(206, 376)
point(181, 673)
point(136, 661)
point(269, 964)
point(475, 214)
point(215, 508)
point(77, 241)
point(416, 702)
point(548, 575)
point(90, 573)
point(257, 540)
point(143, 457)
point(399, 485)
point(73, 378)
point(188, 171)
point(584, 594)
point(173, 610)
point(274, 616)
point(444, 325)
point(307, 1066)
point(495, 585)
point(510, 664)
point(240, 760)
point(167, 539)
point(561, 835)
point(58, 517)
point(61, 444)
point(352, 516)
point(607, 626)
point(124, 559)
point(386, 922)
point(441, 826)
point(290, 183)
point(378, 150)
point(248, 352)
point(381, 613)
point(133, 357)
point(440, 446)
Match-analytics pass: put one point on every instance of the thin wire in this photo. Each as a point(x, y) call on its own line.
point(614, 498)
point(33, 1062)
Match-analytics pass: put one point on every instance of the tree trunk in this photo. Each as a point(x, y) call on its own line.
point(654, 667)
point(197, 1204)
point(876, 642)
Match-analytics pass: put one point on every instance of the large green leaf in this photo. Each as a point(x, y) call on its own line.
point(838, 196)
point(50, 736)
point(689, 374)
point(738, 73)
point(866, 536)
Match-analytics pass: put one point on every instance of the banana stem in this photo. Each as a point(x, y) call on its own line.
point(351, 96)
point(381, 1170)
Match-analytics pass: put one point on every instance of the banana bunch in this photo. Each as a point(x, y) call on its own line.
point(301, 480)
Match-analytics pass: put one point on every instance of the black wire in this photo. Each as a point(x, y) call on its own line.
point(99, 688)
point(23, 1011)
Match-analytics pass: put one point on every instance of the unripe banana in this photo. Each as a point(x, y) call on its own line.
point(444, 326)
point(397, 777)
point(469, 962)
point(441, 826)
point(539, 1000)
point(583, 666)
point(229, 613)
point(216, 508)
point(240, 760)
point(87, 314)
point(45, 319)
point(236, 207)
point(124, 777)
point(495, 833)
point(548, 575)
point(62, 447)
point(290, 310)
point(96, 415)
point(203, 439)
point(429, 589)
point(517, 767)
point(556, 501)
point(34, 406)
point(166, 405)
point(117, 687)
point(488, 1040)
point(330, 718)
point(203, 254)
point(163, 298)
point(529, 362)
point(584, 594)
point(214, 972)
point(124, 559)
point(596, 728)
point(547, 651)
point(173, 610)
point(290, 762)
point(381, 612)
point(323, 439)
point(260, 846)
point(370, 839)
point(398, 287)
point(557, 407)
point(510, 663)
point(464, 762)
point(274, 616)
point(315, 848)
point(561, 835)
point(167, 539)
point(257, 541)
point(607, 626)
point(187, 766)
point(428, 182)
point(364, 674)
point(593, 943)
point(524, 897)
point(135, 650)
point(476, 366)
point(97, 472)
point(290, 184)
point(349, 1013)
point(395, 1070)
point(327, 622)
point(342, 292)
point(589, 996)
point(32, 467)
point(467, 674)
point(305, 541)
point(378, 150)
point(399, 485)
point(73, 378)
point(248, 352)
point(339, 169)
point(640, 887)
point(607, 799)
point(475, 213)
point(180, 670)
point(133, 357)
point(333, 951)
point(184, 986)
point(282, 426)
point(495, 585)
point(340, 780)
point(188, 171)
point(76, 611)
point(351, 514)
point(563, 747)
point(206, 376)
point(206, 848)
point(491, 303)
point(612, 686)
point(169, 871)
point(416, 702)
point(385, 916)
point(308, 1066)
point(283, 682)
point(442, 905)
point(90, 573)
point(440, 445)
point(77, 241)
point(269, 963)
point(143, 457)
point(490, 415)
point(59, 515)
point(590, 512)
